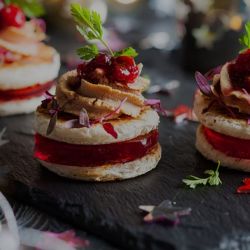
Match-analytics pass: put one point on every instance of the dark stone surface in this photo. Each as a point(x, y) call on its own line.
point(110, 210)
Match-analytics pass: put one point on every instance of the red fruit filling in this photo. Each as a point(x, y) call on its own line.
point(239, 71)
point(120, 69)
point(24, 93)
point(7, 57)
point(231, 146)
point(93, 155)
point(11, 15)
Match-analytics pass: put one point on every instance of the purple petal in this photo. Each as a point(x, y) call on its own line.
point(248, 121)
point(84, 118)
point(156, 105)
point(203, 84)
point(151, 102)
point(116, 111)
point(212, 72)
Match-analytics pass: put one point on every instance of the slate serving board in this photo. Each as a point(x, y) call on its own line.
point(110, 210)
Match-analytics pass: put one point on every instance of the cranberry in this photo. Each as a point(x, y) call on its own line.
point(95, 70)
point(239, 71)
point(11, 15)
point(123, 69)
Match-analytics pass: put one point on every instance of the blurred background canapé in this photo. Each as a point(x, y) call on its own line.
point(200, 34)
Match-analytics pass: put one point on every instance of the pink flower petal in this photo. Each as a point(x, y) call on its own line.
point(69, 237)
point(156, 105)
point(116, 111)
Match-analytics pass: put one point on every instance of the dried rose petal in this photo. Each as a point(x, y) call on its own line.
point(165, 212)
point(203, 84)
point(69, 237)
point(244, 189)
point(156, 105)
point(111, 114)
point(108, 127)
point(182, 113)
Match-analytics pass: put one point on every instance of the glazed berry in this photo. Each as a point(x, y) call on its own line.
point(239, 71)
point(95, 70)
point(123, 69)
point(11, 15)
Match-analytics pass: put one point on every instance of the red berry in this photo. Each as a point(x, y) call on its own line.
point(11, 15)
point(123, 69)
point(239, 71)
point(94, 70)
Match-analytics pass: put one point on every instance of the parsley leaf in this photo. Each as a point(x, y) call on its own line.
point(245, 38)
point(213, 179)
point(88, 52)
point(127, 52)
point(31, 8)
point(89, 24)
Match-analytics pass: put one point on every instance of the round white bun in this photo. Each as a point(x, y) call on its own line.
point(126, 128)
point(25, 74)
point(209, 152)
point(24, 106)
point(217, 119)
point(110, 172)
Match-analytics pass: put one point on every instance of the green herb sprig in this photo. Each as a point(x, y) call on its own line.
point(245, 38)
point(213, 179)
point(31, 8)
point(89, 24)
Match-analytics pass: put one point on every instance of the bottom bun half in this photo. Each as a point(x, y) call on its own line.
point(109, 172)
point(207, 150)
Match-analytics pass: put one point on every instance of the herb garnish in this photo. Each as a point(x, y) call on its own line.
point(31, 8)
point(89, 24)
point(245, 38)
point(213, 179)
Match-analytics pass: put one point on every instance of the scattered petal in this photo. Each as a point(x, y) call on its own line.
point(203, 84)
point(69, 237)
point(111, 114)
point(156, 105)
point(108, 127)
point(42, 241)
point(3, 141)
point(182, 113)
point(165, 212)
point(244, 189)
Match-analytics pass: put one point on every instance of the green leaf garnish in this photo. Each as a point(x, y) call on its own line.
point(245, 38)
point(88, 52)
point(127, 52)
point(89, 24)
point(31, 8)
point(213, 179)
